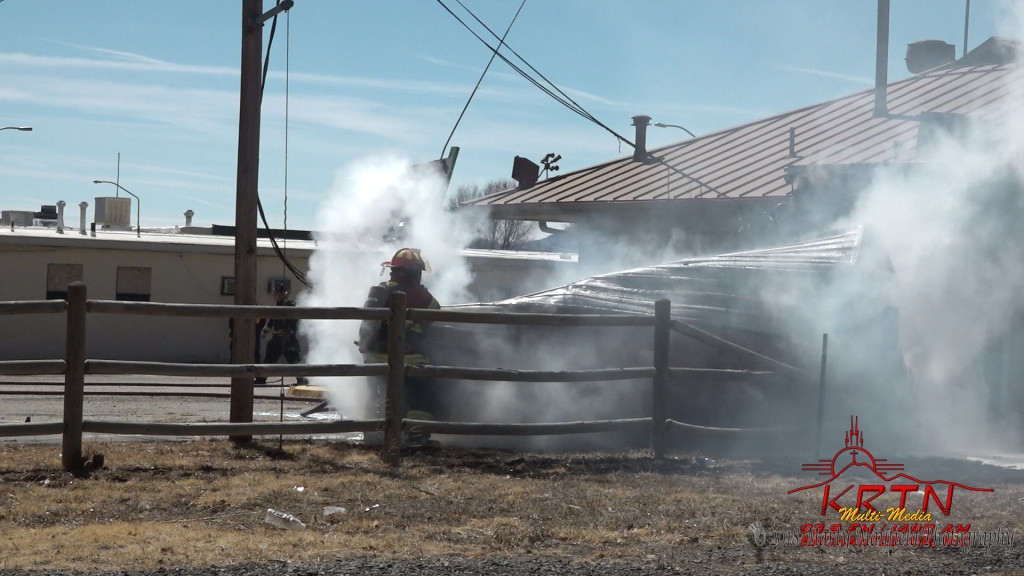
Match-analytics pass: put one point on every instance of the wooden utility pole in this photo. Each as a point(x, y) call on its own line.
point(243, 335)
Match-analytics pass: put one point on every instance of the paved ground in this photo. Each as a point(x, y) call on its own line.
point(39, 399)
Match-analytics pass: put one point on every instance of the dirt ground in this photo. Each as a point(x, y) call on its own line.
point(198, 506)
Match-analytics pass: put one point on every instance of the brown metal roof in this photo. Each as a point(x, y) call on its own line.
point(750, 161)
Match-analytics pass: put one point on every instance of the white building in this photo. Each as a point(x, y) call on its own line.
point(187, 265)
point(121, 265)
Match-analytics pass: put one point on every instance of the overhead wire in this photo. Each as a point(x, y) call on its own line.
point(561, 97)
point(554, 92)
point(299, 275)
point(494, 54)
point(287, 101)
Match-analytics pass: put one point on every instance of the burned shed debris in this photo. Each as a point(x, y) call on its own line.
point(757, 310)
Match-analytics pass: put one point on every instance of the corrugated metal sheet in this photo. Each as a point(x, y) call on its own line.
point(710, 291)
point(750, 161)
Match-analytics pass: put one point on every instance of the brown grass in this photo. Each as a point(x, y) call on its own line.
point(202, 503)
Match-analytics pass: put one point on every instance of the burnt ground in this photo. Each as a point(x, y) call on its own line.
point(710, 550)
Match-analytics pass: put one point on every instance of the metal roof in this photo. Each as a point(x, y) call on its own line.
point(701, 288)
point(750, 161)
point(727, 292)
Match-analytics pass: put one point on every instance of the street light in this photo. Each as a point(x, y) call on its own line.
point(660, 125)
point(21, 128)
point(138, 205)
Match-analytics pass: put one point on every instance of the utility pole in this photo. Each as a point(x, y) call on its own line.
point(243, 335)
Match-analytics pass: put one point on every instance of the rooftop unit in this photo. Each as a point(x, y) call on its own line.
point(113, 212)
point(22, 218)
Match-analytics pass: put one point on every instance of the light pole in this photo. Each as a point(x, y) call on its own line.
point(138, 205)
point(660, 125)
point(19, 128)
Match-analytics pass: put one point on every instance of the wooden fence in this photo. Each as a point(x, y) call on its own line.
point(75, 366)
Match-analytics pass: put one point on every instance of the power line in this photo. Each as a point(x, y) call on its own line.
point(299, 275)
point(560, 97)
point(481, 79)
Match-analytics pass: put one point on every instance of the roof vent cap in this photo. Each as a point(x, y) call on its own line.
point(924, 55)
point(641, 121)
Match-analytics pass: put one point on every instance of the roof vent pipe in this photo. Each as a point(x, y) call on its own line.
point(188, 217)
point(882, 60)
point(640, 149)
point(82, 216)
point(60, 216)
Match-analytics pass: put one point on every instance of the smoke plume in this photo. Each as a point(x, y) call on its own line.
point(377, 206)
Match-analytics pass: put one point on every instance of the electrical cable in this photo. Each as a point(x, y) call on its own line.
point(299, 275)
point(481, 79)
point(287, 101)
point(284, 252)
point(575, 106)
point(562, 97)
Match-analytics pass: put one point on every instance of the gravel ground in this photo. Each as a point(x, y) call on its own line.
point(1006, 562)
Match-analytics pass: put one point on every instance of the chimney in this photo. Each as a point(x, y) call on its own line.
point(882, 61)
point(81, 228)
point(60, 216)
point(640, 150)
point(188, 217)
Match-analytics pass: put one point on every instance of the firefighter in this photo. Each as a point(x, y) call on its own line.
point(407, 267)
point(283, 333)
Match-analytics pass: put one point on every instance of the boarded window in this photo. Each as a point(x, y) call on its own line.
point(133, 283)
point(58, 276)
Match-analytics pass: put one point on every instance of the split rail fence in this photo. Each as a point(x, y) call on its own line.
point(75, 366)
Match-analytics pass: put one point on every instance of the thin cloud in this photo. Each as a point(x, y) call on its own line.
point(827, 74)
point(142, 64)
point(505, 75)
point(137, 63)
point(198, 109)
point(126, 56)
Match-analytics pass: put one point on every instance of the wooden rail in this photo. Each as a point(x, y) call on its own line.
point(231, 429)
point(232, 370)
point(534, 429)
point(75, 366)
point(32, 367)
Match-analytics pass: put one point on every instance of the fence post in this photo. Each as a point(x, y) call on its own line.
point(394, 401)
point(74, 378)
point(659, 391)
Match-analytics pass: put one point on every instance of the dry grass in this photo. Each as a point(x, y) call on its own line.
point(203, 502)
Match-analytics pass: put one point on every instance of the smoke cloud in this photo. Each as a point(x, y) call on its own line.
point(360, 228)
point(951, 223)
point(949, 228)
point(945, 282)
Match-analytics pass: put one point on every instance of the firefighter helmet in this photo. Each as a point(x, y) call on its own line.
point(407, 258)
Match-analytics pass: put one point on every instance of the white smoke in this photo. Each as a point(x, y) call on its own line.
point(951, 227)
point(358, 232)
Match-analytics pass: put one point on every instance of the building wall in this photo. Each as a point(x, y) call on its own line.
point(192, 277)
point(189, 273)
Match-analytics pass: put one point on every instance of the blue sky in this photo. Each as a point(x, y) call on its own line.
point(157, 83)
